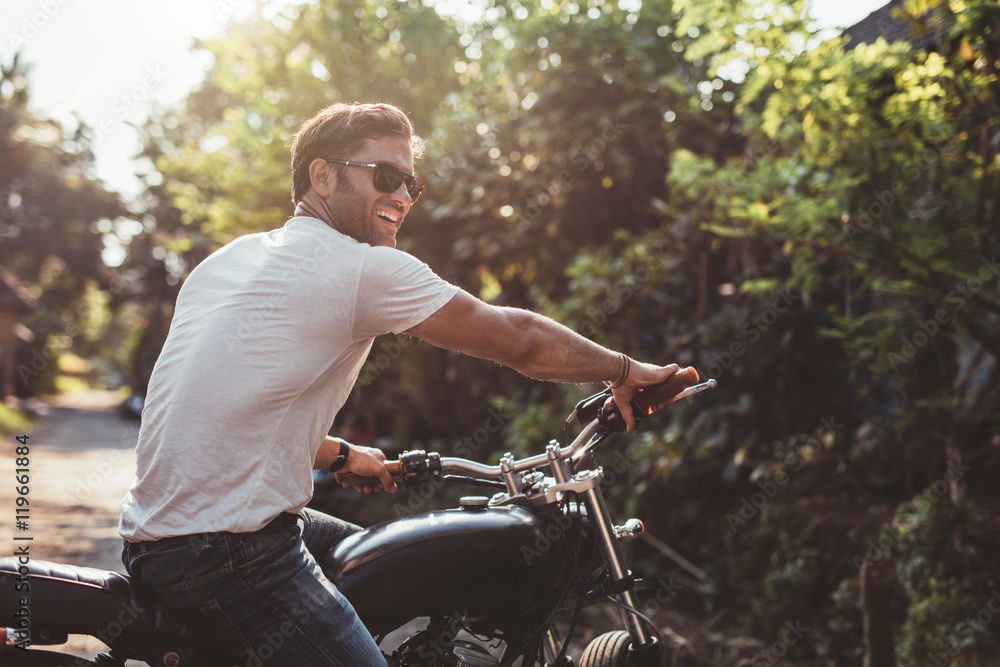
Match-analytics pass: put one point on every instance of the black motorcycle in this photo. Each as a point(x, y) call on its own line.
point(473, 586)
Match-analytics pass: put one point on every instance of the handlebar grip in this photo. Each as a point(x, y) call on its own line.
point(395, 469)
point(658, 393)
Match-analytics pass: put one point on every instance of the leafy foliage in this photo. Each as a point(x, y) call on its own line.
point(702, 182)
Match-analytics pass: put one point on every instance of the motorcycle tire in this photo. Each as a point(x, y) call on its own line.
point(608, 650)
point(30, 658)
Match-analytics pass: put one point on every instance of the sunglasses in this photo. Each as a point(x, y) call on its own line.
point(387, 177)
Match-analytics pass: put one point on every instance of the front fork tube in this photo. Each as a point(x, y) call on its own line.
point(551, 645)
point(597, 512)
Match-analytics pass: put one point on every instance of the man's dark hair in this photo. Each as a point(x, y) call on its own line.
point(339, 131)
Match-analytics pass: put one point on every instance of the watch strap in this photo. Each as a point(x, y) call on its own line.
point(341, 459)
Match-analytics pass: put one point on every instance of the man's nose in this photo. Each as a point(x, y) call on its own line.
point(402, 195)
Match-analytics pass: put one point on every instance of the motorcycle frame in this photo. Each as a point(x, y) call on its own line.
point(585, 482)
point(572, 471)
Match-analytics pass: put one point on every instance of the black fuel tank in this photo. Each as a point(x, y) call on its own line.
point(492, 561)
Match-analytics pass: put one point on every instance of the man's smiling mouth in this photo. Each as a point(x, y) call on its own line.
point(386, 215)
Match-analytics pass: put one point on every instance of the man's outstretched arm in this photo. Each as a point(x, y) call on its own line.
point(535, 346)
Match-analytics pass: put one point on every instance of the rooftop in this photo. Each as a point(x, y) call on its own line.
point(883, 22)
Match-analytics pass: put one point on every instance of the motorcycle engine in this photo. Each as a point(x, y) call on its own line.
point(468, 654)
point(439, 646)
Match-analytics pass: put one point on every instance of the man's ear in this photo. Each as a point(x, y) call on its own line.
point(322, 177)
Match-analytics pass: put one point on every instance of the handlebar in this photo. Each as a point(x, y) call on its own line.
point(669, 389)
point(598, 414)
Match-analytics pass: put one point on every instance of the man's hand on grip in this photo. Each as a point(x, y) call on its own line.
point(370, 462)
point(640, 375)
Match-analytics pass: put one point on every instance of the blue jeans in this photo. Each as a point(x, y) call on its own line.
point(263, 595)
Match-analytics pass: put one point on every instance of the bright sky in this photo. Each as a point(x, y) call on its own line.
point(109, 61)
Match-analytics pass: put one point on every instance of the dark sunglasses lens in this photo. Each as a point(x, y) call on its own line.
point(415, 187)
point(388, 178)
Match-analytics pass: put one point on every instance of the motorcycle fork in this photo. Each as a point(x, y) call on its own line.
point(614, 560)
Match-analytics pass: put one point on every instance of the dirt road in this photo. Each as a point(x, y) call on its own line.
point(81, 460)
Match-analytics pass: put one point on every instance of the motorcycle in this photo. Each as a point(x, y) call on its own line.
point(472, 586)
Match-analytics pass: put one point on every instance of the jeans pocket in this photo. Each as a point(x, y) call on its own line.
point(267, 545)
point(180, 564)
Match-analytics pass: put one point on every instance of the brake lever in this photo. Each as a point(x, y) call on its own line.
point(586, 410)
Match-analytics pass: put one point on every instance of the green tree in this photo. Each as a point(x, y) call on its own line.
point(53, 212)
point(852, 191)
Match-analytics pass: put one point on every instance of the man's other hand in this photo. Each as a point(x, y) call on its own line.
point(369, 462)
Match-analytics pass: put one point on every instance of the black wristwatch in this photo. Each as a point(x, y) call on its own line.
point(341, 459)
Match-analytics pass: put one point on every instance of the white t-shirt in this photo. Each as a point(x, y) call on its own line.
point(268, 337)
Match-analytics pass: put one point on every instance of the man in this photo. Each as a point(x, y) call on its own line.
point(268, 337)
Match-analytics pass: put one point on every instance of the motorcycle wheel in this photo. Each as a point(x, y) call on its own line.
point(18, 658)
point(608, 650)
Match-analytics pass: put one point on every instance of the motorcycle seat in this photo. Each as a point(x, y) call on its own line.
point(67, 599)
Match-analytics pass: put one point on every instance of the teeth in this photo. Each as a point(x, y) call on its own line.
point(388, 216)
